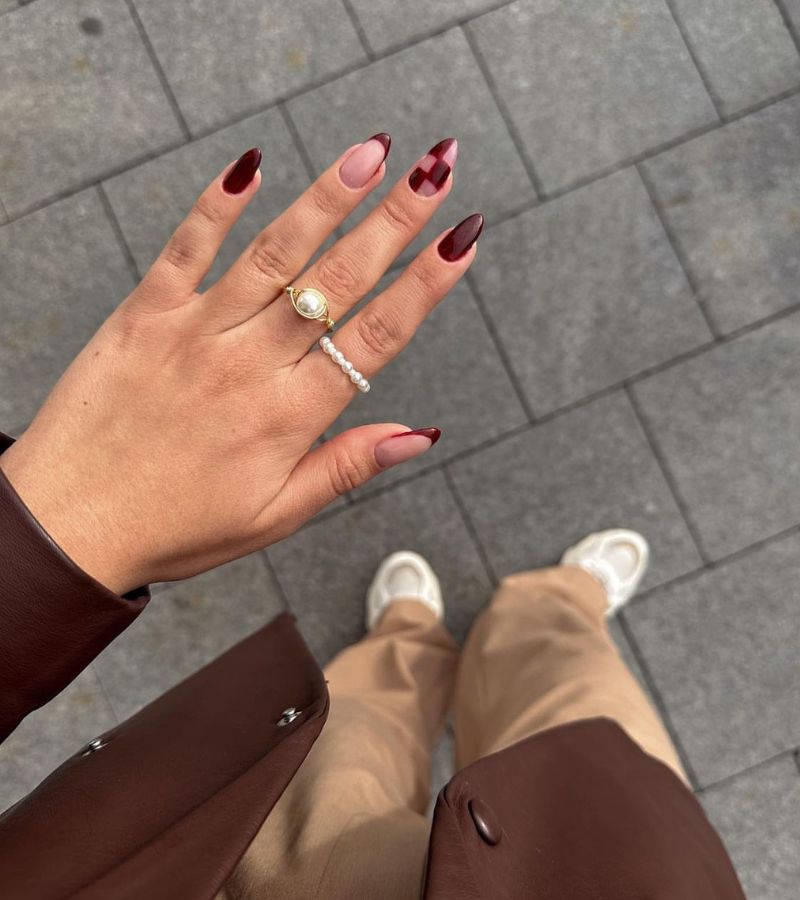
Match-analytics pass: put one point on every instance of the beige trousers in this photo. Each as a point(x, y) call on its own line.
point(351, 824)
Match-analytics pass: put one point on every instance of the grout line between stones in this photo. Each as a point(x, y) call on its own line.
point(669, 478)
point(469, 525)
point(4, 217)
point(264, 554)
point(118, 233)
point(787, 21)
point(157, 67)
point(104, 692)
point(359, 29)
point(704, 77)
point(505, 114)
point(663, 711)
point(298, 140)
point(762, 763)
point(672, 237)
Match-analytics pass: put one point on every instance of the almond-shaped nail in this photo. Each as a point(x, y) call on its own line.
point(404, 446)
point(243, 172)
point(365, 160)
point(433, 170)
point(458, 241)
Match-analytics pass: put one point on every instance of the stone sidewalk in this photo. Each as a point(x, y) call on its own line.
point(623, 352)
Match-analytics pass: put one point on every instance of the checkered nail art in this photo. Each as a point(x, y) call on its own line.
point(434, 168)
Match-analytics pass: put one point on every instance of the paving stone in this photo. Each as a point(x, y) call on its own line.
point(326, 568)
point(792, 8)
point(80, 98)
point(48, 736)
point(442, 766)
point(756, 814)
point(722, 649)
point(431, 91)
point(589, 85)
point(586, 291)
point(532, 496)
point(450, 369)
point(223, 60)
point(185, 626)
point(8, 5)
point(61, 274)
point(389, 24)
point(744, 48)
point(732, 198)
point(727, 423)
point(151, 200)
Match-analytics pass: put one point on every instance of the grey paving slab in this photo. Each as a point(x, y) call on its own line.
point(792, 8)
point(727, 424)
point(61, 274)
point(77, 101)
point(326, 568)
point(151, 200)
point(8, 5)
point(722, 649)
point(532, 496)
point(732, 198)
point(450, 370)
point(421, 95)
point(586, 291)
point(756, 814)
point(223, 60)
point(186, 625)
point(48, 736)
point(589, 85)
point(743, 47)
point(389, 24)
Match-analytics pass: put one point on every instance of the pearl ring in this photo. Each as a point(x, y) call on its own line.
point(344, 364)
point(310, 304)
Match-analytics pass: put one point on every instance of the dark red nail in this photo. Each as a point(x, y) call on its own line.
point(383, 138)
point(433, 434)
point(434, 168)
point(456, 242)
point(243, 172)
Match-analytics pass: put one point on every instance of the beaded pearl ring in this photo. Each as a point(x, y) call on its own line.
point(345, 365)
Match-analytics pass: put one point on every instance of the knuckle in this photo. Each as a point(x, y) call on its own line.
point(179, 252)
point(324, 202)
point(398, 216)
point(207, 211)
point(270, 260)
point(347, 472)
point(338, 275)
point(378, 333)
point(427, 278)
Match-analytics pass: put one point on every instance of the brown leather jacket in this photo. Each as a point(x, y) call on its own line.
point(165, 804)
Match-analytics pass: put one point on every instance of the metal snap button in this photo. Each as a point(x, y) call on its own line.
point(485, 821)
point(288, 716)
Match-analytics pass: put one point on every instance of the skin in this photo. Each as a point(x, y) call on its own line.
point(181, 437)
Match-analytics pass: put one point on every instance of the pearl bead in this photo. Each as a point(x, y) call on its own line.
point(338, 357)
point(347, 367)
point(355, 377)
point(310, 303)
point(329, 349)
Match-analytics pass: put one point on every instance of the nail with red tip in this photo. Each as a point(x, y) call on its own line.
point(434, 168)
point(365, 160)
point(243, 172)
point(404, 446)
point(458, 241)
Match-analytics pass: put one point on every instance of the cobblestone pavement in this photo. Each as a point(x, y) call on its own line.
point(623, 352)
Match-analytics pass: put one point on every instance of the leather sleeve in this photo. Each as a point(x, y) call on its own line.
point(54, 617)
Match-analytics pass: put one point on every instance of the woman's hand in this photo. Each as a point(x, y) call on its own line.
point(181, 436)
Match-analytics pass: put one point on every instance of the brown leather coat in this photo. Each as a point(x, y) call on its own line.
point(164, 805)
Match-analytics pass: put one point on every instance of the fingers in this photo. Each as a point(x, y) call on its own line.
point(355, 263)
point(345, 463)
point(284, 247)
point(380, 331)
point(192, 249)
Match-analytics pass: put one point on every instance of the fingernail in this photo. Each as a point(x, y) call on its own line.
point(243, 172)
point(365, 160)
point(434, 168)
point(456, 242)
point(404, 446)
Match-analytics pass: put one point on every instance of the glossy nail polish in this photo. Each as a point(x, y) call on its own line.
point(406, 445)
point(243, 172)
point(365, 160)
point(434, 168)
point(457, 241)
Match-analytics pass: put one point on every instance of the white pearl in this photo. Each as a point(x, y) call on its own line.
point(347, 367)
point(355, 377)
point(337, 356)
point(364, 388)
point(309, 303)
point(329, 349)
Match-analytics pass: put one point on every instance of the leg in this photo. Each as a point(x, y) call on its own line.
point(540, 655)
point(351, 824)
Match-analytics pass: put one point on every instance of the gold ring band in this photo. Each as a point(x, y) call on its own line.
point(310, 304)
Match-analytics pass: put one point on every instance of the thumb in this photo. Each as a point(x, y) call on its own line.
point(348, 461)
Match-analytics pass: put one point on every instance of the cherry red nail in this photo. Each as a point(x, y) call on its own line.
point(243, 172)
point(434, 168)
point(458, 241)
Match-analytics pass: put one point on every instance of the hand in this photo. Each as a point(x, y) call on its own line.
point(181, 436)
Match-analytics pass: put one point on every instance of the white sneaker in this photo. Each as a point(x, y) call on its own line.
point(403, 576)
point(617, 558)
